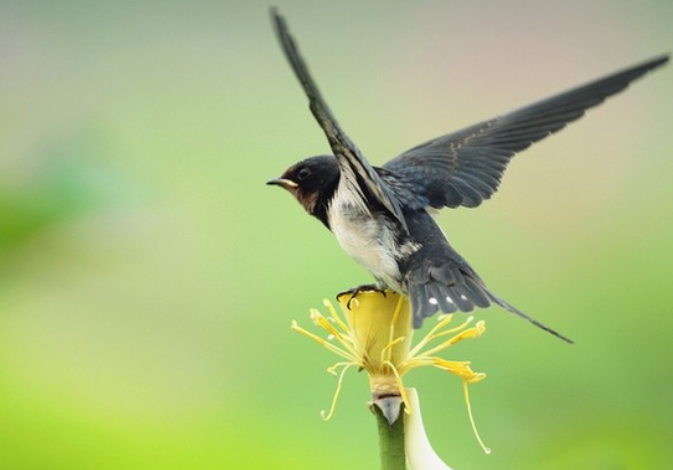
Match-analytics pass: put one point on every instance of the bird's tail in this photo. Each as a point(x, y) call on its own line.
point(516, 311)
point(452, 287)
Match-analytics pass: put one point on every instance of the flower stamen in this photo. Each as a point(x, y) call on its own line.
point(388, 350)
point(322, 322)
point(334, 314)
point(322, 342)
point(487, 450)
point(432, 334)
point(337, 392)
point(469, 333)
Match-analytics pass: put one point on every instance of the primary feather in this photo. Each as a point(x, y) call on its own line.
point(465, 168)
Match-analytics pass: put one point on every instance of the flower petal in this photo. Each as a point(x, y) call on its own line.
point(420, 454)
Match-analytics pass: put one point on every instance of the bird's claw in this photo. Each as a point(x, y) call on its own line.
point(355, 291)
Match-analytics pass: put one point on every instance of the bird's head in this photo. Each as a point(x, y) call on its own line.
point(310, 181)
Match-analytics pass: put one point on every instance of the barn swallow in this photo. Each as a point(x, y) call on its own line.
point(381, 216)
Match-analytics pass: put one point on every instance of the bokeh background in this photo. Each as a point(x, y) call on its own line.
point(148, 277)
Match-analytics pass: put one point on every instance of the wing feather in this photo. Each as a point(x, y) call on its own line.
point(465, 168)
point(348, 156)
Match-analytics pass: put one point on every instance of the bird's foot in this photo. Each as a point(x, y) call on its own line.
point(355, 291)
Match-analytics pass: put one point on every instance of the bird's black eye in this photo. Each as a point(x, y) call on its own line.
point(303, 174)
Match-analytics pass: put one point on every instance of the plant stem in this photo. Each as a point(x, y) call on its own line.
point(391, 440)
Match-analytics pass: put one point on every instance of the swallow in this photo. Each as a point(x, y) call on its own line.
point(382, 216)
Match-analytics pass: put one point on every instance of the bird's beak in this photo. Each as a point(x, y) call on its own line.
point(284, 182)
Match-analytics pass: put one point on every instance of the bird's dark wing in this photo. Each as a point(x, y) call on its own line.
point(465, 167)
point(348, 156)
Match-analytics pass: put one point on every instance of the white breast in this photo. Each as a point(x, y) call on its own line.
point(368, 238)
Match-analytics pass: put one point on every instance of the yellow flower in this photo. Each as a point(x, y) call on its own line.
point(375, 334)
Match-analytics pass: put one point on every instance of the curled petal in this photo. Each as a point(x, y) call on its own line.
point(420, 454)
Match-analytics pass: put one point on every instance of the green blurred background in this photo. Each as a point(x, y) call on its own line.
point(148, 278)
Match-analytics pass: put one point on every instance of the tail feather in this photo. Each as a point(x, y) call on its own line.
point(434, 291)
point(516, 311)
point(450, 288)
point(477, 293)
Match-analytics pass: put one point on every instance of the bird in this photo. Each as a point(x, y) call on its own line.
point(383, 216)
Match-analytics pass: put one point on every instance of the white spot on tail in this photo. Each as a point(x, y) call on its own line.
point(432, 301)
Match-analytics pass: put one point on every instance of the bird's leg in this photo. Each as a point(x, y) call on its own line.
point(355, 291)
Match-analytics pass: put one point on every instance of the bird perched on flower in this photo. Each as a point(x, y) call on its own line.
point(380, 215)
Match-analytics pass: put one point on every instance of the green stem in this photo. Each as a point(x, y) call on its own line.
point(391, 440)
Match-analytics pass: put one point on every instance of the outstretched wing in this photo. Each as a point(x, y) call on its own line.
point(352, 163)
point(465, 167)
